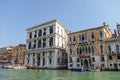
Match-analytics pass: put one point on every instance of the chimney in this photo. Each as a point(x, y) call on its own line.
point(104, 24)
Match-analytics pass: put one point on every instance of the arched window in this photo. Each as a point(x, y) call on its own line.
point(30, 35)
point(92, 50)
point(109, 49)
point(77, 51)
point(29, 46)
point(51, 42)
point(86, 49)
point(51, 29)
point(101, 49)
point(80, 51)
point(70, 51)
point(89, 49)
point(39, 43)
point(40, 32)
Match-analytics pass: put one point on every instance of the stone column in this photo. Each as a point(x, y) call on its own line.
point(35, 59)
point(47, 42)
point(41, 61)
point(31, 59)
point(47, 59)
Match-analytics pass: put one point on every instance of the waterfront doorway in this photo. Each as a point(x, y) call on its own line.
point(115, 66)
point(43, 62)
point(38, 60)
point(86, 64)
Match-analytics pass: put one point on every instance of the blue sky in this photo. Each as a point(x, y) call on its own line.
point(18, 15)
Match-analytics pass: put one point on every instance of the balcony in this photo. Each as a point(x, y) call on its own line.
point(114, 52)
point(117, 52)
point(92, 39)
point(82, 41)
point(101, 38)
point(110, 52)
point(70, 42)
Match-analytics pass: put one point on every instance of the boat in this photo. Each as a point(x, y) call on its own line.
point(78, 69)
point(8, 66)
point(95, 69)
point(19, 67)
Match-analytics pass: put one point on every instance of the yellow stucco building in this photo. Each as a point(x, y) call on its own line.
point(87, 48)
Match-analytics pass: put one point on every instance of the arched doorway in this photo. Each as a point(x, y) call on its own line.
point(86, 64)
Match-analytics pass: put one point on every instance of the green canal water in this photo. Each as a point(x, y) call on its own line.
point(29, 74)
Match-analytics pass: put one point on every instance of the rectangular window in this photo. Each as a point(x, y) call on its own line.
point(39, 43)
point(58, 60)
point(70, 60)
point(77, 60)
point(30, 35)
point(50, 60)
point(79, 37)
point(92, 35)
point(118, 56)
point(74, 38)
point(93, 59)
point(29, 46)
point(51, 42)
point(110, 57)
point(117, 48)
point(33, 61)
point(34, 44)
point(101, 49)
point(70, 51)
point(35, 35)
point(38, 58)
point(44, 42)
point(92, 50)
point(51, 29)
point(83, 37)
point(102, 58)
point(109, 49)
point(40, 32)
point(100, 34)
point(44, 32)
point(70, 39)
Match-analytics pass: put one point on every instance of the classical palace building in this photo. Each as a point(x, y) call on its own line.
point(87, 48)
point(46, 45)
point(113, 50)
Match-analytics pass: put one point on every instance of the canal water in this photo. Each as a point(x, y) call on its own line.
point(30, 74)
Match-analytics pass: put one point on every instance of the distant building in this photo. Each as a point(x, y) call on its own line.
point(5, 55)
point(46, 45)
point(18, 53)
point(87, 48)
point(118, 29)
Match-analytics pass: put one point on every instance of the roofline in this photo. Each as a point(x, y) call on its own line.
point(45, 23)
point(87, 30)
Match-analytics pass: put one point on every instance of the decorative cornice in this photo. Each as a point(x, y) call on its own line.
point(49, 22)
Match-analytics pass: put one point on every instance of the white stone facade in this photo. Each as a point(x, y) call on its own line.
point(113, 53)
point(46, 46)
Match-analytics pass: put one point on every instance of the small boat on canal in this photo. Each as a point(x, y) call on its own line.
point(78, 69)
